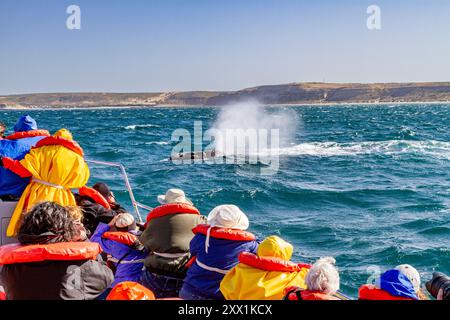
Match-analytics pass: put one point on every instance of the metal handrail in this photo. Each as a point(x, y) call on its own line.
point(136, 205)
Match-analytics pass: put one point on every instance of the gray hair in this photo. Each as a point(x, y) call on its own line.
point(323, 276)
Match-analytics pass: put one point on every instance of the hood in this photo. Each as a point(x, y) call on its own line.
point(397, 284)
point(25, 123)
point(274, 246)
point(64, 133)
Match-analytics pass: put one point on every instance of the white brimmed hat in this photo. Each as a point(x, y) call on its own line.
point(228, 216)
point(124, 220)
point(174, 196)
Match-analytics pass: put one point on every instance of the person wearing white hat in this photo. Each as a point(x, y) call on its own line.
point(119, 239)
point(174, 196)
point(125, 222)
point(216, 246)
point(167, 236)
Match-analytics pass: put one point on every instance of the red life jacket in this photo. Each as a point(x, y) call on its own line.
point(171, 208)
point(308, 295)
point(94, 195)
point(370, 292)
point(122, 237)
point(70, 251)
point(271, 263)
point(224, 233)
point(28, 134)
point(59, 141)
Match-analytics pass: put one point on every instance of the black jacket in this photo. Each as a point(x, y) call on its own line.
point(56, 280)
point(94, 213)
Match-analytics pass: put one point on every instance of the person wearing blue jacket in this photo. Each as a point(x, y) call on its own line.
point(119, 240)
point(16, 146)
point(215, 249)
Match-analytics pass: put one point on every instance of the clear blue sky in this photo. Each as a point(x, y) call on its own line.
point(171, 45)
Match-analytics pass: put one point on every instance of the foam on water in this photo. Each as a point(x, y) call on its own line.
point(439, 149)
point(141, 126)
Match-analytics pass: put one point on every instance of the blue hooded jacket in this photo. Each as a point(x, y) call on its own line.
point(397, 284)
point(222, 254)
point(131, 260)
point(10, 183)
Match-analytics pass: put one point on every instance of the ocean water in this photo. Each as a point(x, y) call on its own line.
point(368, 185)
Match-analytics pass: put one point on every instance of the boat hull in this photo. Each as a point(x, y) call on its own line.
point(6, 211)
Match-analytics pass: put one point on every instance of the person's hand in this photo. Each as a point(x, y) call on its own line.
point(113, 221)
point(440, 295)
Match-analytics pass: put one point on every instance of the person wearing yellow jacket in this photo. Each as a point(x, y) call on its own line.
point(55, 165)
point(264, 276)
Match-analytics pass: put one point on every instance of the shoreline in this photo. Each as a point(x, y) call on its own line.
point(174, 106)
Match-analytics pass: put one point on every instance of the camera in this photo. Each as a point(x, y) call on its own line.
point(438, 282)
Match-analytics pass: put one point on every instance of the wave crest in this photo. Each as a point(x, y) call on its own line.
point(141, 126)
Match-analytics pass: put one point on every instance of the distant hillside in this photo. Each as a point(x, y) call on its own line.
point(294, 93)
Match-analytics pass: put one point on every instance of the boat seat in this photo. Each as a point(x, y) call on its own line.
point(6, 211)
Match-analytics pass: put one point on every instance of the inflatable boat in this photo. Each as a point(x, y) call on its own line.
point(7, 208)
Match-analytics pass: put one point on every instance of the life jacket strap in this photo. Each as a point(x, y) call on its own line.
point(47, 183)
point(114, 260)
point(206, 267)
point(171, 255)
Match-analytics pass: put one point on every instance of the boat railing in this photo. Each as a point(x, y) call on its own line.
point(136, 204)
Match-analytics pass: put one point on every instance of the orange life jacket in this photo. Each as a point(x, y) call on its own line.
point(271, 263)
point(69, 144)
point(94, 195)
point(28, 134)
point(129, 290)
point(71, 251)
point(370, 292)
point(122, 237)
point(224, 233)
point(309, 295)
point(171, 208)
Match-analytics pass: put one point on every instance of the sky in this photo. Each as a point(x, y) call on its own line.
point(181, 45)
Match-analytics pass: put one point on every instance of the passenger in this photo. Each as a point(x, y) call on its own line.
point(16, 146)
point(77, 216)
point(129, 290)
point(167, 236)
point(56, 165)
point(106, 192)
point(119, 239)
point(216, 247)
point(322, 282)
point(264, 276)
point(98, 205)
point(47, 265)
point(439, 286)
point(401, 283)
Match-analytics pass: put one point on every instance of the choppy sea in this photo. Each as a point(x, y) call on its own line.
point(366, 184)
